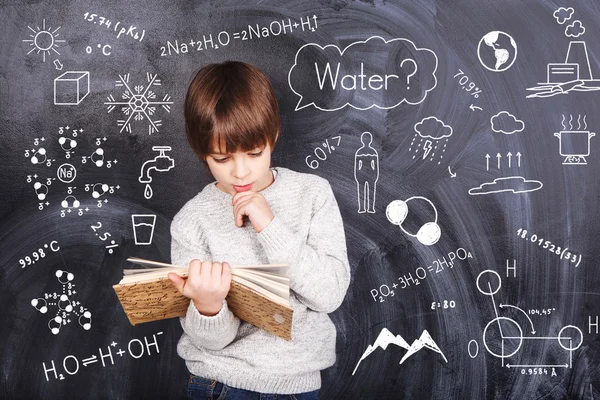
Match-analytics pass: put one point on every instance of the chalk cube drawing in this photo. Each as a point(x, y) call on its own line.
point(71, 88)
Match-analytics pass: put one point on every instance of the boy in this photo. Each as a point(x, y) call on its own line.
point(253, 214)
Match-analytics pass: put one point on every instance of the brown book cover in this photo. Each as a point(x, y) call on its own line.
point(157, 299)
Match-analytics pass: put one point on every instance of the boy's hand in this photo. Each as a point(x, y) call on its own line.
point(207, 285)
point(255, 206)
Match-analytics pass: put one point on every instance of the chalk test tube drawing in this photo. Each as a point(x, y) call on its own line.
point(397, 211)
point(503, 51)
point(65, 305)
point(71, 88)
point(504, 336)
point(574, 145)
point(160, 163)
point(575, 74)
point(139, 103)
point(43, 40)
point(143, 228)
point(511, 184)
point(430, 130)
point(506, 123)
point(385, 338)
point(366, 174)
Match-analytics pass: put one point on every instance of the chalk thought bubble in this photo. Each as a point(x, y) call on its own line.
point(433, 128)
point(371, 73)
point(506, 123)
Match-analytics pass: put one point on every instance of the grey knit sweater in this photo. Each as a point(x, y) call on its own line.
point(308, 234)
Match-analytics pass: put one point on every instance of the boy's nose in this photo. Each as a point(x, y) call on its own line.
point(240, 170)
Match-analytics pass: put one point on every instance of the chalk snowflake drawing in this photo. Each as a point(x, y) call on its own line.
point(139, 103)
point(65, 305)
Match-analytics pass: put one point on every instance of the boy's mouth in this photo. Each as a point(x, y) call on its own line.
point(242, 188)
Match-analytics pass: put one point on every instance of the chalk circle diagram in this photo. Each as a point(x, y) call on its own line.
point(503, 51)
point(368, 73)
point(512, 184)
point(397, 211)
point(503, 336)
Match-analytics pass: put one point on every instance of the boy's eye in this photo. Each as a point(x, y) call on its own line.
point(221, 160)
point(256, 154)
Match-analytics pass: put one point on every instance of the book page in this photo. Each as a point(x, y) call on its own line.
point(272, 296)
point(277, 288)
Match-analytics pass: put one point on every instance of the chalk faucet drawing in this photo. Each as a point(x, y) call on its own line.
point(574, 145)
point(160, 163)
point(385, 338)
point(330, 78)
point(503, 337)
point(397, 211)
point(366, 174)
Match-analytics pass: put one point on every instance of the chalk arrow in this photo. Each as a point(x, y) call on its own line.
point(518, 159)
point(498, 156)
point(472, 107)
point(509, 155)
point(58, 64)
point(538, 366)
point(527, 316)
point(452, 175)
point(487, 162)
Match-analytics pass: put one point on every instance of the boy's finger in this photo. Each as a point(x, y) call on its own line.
point(215, 273)
point(240, 195)
point(177, 281)
point(205, 270)
point(194, 268)
point(226, 276)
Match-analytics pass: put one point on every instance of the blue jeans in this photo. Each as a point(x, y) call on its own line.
point(199, 388)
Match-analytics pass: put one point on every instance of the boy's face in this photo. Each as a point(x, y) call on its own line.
point(241, 171)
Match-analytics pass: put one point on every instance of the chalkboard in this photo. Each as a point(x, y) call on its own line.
point(458, 137)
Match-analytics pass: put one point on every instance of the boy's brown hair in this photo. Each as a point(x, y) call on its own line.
point(230, 107)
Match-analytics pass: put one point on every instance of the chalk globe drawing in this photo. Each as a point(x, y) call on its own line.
point(497, 51)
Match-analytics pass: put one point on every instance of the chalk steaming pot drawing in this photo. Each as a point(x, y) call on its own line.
point(574, 146)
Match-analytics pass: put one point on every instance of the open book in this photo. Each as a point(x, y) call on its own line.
point(259, 295)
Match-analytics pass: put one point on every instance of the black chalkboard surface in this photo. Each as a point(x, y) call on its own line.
point(458, 137)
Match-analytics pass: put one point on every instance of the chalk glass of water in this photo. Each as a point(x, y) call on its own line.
point(143, 228)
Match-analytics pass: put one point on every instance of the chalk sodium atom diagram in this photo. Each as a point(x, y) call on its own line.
point(139, 103)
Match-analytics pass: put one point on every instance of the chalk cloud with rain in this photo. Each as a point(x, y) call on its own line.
point(430, 131)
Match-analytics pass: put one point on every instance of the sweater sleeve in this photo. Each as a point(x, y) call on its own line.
point(319, 268)
point(215, 332)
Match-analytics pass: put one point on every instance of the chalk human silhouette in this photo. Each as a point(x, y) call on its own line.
point(366, 174)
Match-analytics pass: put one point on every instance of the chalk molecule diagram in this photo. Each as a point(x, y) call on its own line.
point(64, 305)
point(397, 211)
point(139, 103)
point(503, 337)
